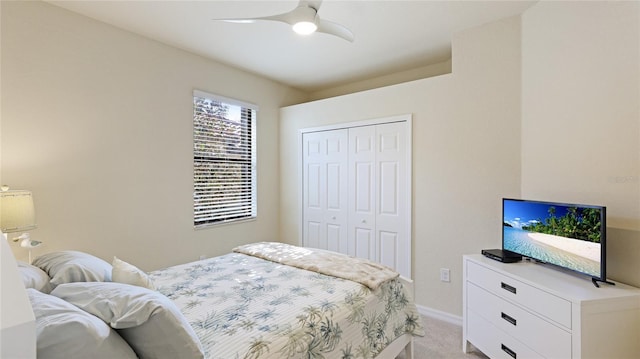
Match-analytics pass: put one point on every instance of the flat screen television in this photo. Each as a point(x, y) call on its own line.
point(570, 236)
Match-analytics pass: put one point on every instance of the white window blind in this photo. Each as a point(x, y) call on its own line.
point(224, 159)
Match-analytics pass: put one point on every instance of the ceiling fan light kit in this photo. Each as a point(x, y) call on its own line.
point(303, 20)
point(305, 27)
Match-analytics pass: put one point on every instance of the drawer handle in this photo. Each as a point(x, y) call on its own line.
point(507, 287)
point(508, 318)
point(509, 351)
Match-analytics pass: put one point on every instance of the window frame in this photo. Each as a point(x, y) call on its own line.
point(251, 179)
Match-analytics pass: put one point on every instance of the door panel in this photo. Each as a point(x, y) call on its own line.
point(334, 184)
point(364, 187)
point(364, 242)
point(313, 233)
point(313, 186)
point(389, 248)
point(364, 141)
point(333, 237)
point(389, 188)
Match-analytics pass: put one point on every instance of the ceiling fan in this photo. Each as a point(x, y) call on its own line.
point(304, 20)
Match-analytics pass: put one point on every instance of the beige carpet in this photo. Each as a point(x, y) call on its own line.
point(443, 340)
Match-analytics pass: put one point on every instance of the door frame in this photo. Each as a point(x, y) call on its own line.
point(407, 118)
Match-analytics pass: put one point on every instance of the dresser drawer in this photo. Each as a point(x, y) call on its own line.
point(540, 335)
point(494, 342)
point(538, 301)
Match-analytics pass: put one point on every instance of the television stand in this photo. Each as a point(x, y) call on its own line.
point(595, 282)
point(526, 310)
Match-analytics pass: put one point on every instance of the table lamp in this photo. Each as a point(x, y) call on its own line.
point(17, 214)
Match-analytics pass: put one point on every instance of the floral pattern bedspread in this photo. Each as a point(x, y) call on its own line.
point(246, 307)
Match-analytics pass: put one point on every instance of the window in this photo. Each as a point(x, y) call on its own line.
point(224, 158)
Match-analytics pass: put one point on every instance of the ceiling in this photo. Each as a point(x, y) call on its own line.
point(390, 36)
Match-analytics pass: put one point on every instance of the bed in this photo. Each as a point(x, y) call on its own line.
point(263, 300)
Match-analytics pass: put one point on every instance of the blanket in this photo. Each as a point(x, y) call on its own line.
point(330, 263)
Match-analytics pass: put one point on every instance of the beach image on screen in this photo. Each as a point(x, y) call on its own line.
point(567, 236)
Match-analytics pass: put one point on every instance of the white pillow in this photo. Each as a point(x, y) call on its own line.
point(34, 277)
point(150, 322)
point(73, 266)
point(64, 331)
point(124, 272)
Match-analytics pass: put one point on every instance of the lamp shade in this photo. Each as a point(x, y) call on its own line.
point(16, 211)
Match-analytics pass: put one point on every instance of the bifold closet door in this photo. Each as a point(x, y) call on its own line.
point(378, 195)
point(356, 193)
point(325, 190)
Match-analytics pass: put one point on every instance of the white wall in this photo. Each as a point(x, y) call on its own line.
point(97, 122)
point(466, 153)
point(581, 115)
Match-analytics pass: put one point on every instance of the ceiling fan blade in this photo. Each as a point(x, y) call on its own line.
point(333, 28)
point(311, 3)
point(238, 21)
point(286, 18)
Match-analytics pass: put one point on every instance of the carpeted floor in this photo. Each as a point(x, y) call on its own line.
point(443, 340)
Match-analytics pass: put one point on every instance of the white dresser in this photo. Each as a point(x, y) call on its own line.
point(528, 310)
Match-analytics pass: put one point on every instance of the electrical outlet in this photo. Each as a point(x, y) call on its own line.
point(444, 275)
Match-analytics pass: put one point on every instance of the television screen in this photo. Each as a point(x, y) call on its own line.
point(571, 236)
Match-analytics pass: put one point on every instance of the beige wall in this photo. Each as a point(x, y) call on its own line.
point(466, 143)
point(438, 69)
point(97, 123)
point(581, 116)
point(543, 107)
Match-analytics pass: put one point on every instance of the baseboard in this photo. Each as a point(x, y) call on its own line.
point(440, 315)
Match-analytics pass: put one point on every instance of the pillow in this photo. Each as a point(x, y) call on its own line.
point(64, 331)
point(73, 266)
point(124, 272)
point(150, 322)
point(34, 277)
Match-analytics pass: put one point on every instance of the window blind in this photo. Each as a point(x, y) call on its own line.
point(224, 159)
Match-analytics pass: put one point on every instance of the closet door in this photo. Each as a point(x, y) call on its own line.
point(393, 200)
point(362, 193)
point(378, 195)
point(357, 192)
point(325, 190)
